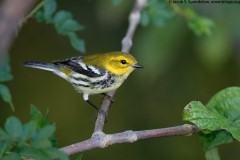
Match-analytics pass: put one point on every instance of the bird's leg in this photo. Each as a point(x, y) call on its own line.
point(92, 105)
point(98, 109)
point(86, 99)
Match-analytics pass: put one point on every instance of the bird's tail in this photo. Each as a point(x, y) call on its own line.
point(41, 65)
point(46, 66)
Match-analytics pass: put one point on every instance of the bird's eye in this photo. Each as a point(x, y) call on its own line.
point(123, 61)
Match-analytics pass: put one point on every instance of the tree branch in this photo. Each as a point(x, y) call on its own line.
point(101, 140)
point(11, 17)
point(134, 19)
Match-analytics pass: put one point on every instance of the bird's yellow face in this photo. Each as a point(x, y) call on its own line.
point(118, 63)
point(121, 63)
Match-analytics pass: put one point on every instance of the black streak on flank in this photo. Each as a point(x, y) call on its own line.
point(81, 85)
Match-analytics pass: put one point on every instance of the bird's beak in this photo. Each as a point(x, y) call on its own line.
point(137, 66)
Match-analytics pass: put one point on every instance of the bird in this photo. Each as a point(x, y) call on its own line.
point(92, 74)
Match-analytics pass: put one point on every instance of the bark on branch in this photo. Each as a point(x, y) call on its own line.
point(102, 140)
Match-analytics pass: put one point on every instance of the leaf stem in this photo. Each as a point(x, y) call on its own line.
point(212, 154)
point(40, 5)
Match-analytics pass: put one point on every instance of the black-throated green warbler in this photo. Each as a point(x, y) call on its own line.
point(92, 74)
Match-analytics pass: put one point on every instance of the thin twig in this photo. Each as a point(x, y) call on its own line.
point(134, 19)
point(101, 140)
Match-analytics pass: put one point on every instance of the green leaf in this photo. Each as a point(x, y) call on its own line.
point(69, 25)
point(156, 12)
point(55, 153)
point(40, 16)
point(33, 153)
point(29, 130)
point(116, 2)
point(76, 42)
point(45, 132)
point(12, 156)
point(5, 63)
point(219, 120)
point(6, 96)
point(42, 137)
point(3, 135)
point(50, 6)
point(4, 144)
point(208, 120)
point(5, 76)
point(37, 116)
point(41, 144)
point(13, 127)
point(213, 139)
point(226, 102)
point(201, 25)
point(60, 17)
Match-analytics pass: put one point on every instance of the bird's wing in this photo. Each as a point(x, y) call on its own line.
point(77, 65)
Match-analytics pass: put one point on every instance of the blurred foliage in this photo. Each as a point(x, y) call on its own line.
point(211, 56)
point(199, 24)
point(63, 22)
point(116, 2)
point(218, 120)
point(5, 76)
point(33, 139)
point(159, 12)
point(156, 12)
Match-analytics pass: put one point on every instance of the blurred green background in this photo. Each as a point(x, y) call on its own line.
point(179, 67)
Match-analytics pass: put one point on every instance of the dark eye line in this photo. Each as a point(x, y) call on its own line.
point(123, 61)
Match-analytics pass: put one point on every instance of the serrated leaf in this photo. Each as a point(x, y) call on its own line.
point(12, 156)
point(208, 120)
point(6, 96)
point(76, 42)
point(55, 153)
point(50, 6)
point(13, 127)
